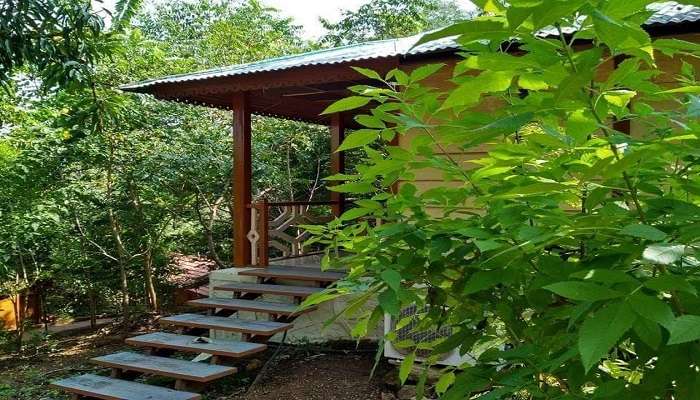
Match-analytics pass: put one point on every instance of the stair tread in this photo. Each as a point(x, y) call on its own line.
point(261, 288)
point(220, 347)
point(294, 273)
point(249, 305)
point(103, 387)
point(164, 366)
point(266, 328)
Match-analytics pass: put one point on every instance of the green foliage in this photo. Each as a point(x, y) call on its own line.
point(99, 187)
point(563, 253)
point(59, 40)
point(388, 19)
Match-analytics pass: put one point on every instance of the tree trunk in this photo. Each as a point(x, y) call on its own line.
point(93, 307)
point(150, 286)
point(121, 261)
point(114, 224)
point(210, 232)
point(124, 282)
point(208, 226)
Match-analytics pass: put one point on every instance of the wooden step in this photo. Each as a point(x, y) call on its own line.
point(294, 273)
point(250, 305)
point(265, 328)
point(102, 387)
point(260, 288)
point(194, 344)
point(164, 366)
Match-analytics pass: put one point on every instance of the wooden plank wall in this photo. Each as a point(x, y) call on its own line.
point(8, 320)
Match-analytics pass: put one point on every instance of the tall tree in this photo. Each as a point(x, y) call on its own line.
point(386, 19)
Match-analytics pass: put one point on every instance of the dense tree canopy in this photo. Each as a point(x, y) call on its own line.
point(95, 181)
point(386, 19)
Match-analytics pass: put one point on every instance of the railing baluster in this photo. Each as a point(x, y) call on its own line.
point(264, 243)
point(282, 232)
point(253, 235)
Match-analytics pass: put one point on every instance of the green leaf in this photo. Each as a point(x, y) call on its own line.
point(600, 333)
point(532, 82)
point(425, 71)
point(685, 328)
point(360, 328)
point(622, 9)
point(469, 28)
point(370, 121)
point(487, 245)
point(389, 302)
point(502, 126)
point(370, 204)
point(648, 331)
point(392, 279)
point(359, 138)
point(406, 366)
point(604, 276)
point(619, 98)
point(580, 124)
point(552, 11)
point(644, 232)
point(368, 73)
point(669, 283)
point(355, 213)
point(446, 380)
point(348, 103)
point(469, 92)
point(352, 187)
point(482, 280)
point(582, 291)
point(651, 308)
point(683, 89)
point(621, 35)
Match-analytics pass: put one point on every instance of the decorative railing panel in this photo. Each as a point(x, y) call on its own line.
point(276, 230)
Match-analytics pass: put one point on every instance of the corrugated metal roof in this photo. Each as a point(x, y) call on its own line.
point(671, 12)
point(356, 52)
point(667, 13)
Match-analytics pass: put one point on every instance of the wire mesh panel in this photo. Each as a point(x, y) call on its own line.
point(411, 330)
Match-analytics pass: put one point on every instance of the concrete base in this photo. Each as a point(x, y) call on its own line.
point(308, 328)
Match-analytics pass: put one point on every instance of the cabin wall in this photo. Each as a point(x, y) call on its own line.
point(8, 319)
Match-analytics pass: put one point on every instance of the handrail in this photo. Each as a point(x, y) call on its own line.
point(266, 233)
point(294, 203)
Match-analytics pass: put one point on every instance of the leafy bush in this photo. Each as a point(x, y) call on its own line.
point(564, 256)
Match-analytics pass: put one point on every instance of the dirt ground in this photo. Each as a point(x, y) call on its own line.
point(321, 377)
point(296, 373)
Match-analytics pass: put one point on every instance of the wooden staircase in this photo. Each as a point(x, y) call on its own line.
point(192, 376)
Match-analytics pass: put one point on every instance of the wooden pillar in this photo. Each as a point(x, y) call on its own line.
point(241, 180)
point(337, 160)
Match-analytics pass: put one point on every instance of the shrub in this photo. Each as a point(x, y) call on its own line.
point(565, 256)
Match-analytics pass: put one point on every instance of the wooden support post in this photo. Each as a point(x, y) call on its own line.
point(337, 160)
point(241, 179)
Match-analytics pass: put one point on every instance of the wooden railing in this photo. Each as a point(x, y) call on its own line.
point(275, 230)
